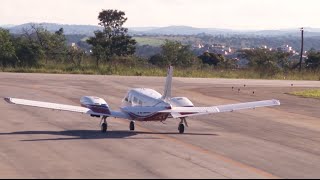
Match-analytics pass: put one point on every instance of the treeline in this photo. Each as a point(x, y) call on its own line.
point(37, 47)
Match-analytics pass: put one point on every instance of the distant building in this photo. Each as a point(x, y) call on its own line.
point(74, 46)
point(287, 48)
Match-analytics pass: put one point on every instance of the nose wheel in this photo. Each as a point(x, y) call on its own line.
point(132, 126)
point(104, 125)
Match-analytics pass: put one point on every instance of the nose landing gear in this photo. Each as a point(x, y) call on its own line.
point(104, 124)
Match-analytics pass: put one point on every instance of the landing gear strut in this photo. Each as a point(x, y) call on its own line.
point(182, 124)
point(104, 124)
point(132, 126)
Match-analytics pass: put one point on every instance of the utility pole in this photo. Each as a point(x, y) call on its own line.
point(301, 54)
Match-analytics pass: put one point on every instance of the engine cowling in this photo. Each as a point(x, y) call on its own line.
point(95, 104)
point(181, 102)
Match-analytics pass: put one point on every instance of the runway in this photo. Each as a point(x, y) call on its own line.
point(277, 142)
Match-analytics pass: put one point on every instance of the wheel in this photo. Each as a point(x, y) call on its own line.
point(181, 128)
point(132, 126)
point(104, 127)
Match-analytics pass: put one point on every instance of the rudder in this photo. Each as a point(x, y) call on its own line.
point(168, 84)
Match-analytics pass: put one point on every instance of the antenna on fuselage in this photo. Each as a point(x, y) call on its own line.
point(167, 88)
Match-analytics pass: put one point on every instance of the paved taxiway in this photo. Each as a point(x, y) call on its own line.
point(279, 142)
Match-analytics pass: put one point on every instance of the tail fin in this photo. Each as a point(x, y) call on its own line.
point(167, 87)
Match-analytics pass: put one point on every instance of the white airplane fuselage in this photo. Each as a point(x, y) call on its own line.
point(141, 103)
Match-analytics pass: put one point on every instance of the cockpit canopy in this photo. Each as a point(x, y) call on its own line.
point(142, 97)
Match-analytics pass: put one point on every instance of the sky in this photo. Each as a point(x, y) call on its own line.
point(229, 14)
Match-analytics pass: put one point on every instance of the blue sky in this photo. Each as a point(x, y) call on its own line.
point(231, 14)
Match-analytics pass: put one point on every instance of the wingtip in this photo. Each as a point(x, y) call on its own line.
point(8, 100)
point(277, 102)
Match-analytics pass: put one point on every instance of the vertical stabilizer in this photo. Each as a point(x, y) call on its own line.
point(167, 87)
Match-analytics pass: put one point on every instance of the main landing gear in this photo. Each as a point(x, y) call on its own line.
point(104, 124)
point(182, 124)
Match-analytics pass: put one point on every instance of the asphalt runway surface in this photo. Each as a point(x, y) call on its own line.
point(276, 142)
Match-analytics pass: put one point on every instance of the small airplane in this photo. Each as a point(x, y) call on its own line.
point(144, 104)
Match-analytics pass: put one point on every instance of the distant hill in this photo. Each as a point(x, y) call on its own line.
point(171, 30)
point(309, 32)
point(7, 26)
point(142, 29)
point(68, 29)
point(186, 30)
point(87, 30)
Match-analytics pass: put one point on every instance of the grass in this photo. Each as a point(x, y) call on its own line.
point(149, 41)
point(159, 40)
point(313, 93)
point(125, 70)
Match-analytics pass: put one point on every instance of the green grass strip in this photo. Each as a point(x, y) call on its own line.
point(313, 93)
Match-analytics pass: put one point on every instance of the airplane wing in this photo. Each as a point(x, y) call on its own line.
point(63, 107)
point(179, 112)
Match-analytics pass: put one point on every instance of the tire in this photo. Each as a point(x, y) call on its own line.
point(181, 128)
point(104, 127)
point(132, 126)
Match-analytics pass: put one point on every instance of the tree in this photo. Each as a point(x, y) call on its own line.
point(266, 62)
point(157, 60)
point(174, 53)
point(228, 63)
point(28, 53)
point(58, 48)
point(98, 43)
point(53, 45)
point(75, 55)
point(114, 39)
point(218, 60)
point(211, 58)
point(170, 51)
point(313, 60)
point(7, 50)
